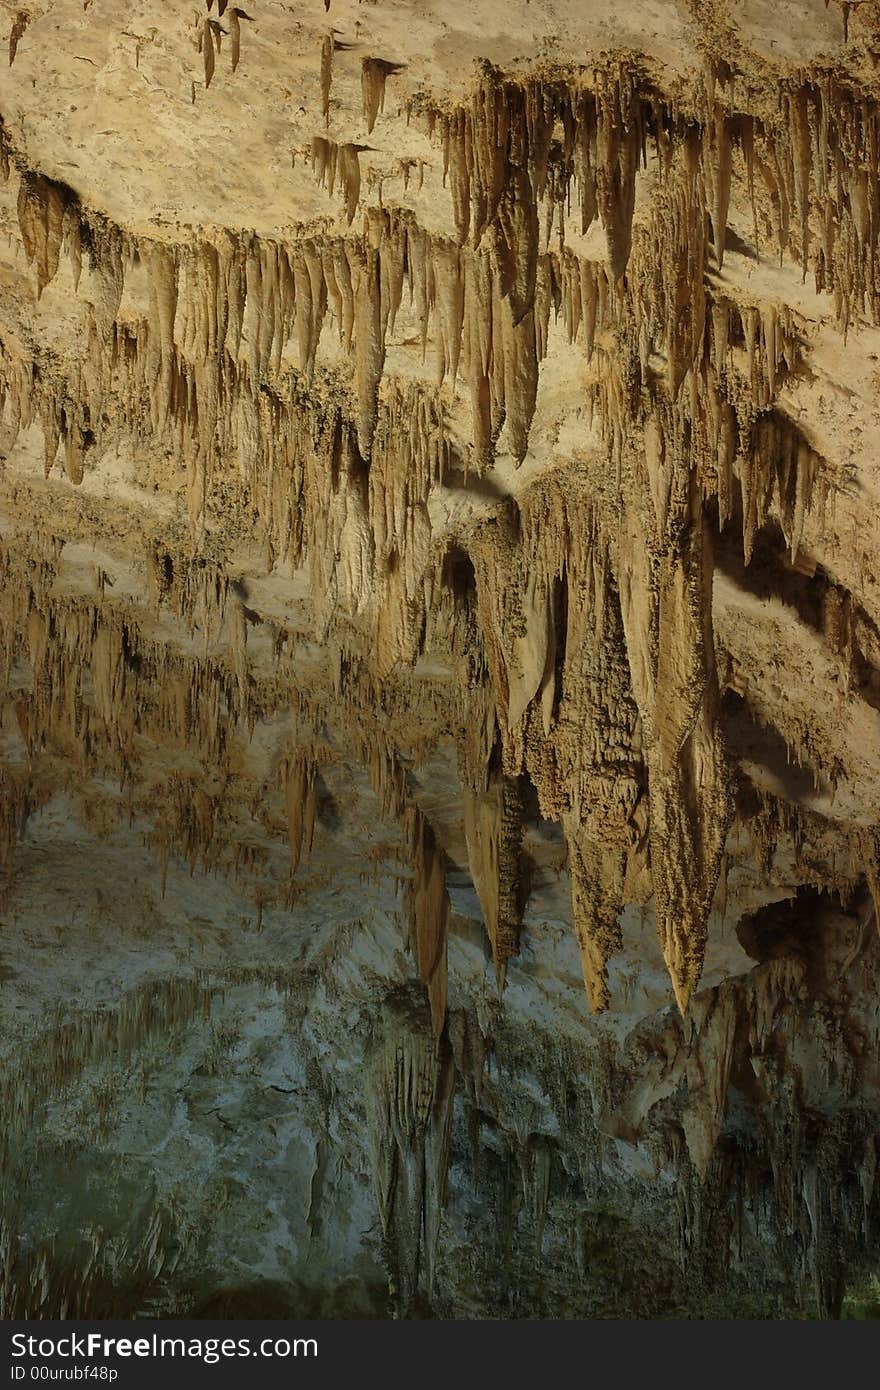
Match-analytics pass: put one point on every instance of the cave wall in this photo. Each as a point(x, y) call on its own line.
point(439, 743)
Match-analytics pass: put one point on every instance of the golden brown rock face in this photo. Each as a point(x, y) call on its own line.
point(496, 426)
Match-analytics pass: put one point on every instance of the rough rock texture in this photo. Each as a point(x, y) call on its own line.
point(439, 658)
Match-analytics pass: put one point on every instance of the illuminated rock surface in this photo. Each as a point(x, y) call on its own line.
point(440, 636)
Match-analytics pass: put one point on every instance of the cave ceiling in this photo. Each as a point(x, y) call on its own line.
point(439, 654)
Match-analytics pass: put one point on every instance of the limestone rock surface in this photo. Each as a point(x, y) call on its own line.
point(439, 658)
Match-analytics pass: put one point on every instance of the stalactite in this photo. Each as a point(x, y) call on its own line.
point(493, 829)
point(597, 871)
point(18, 800)
point(206, 48)
point(667, 620)
point(41, 208)
point(429, 913)
point(618, 144)
point(326, 75)
point(350, 177)
point(712, 1023)
point(374, 74)
point(19, 24)
point(869, 851)
point(235, 18)
point(301, 795)
point(409, 1085)
point(721, 177)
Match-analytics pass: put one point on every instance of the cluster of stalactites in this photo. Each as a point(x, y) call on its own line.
point(747, 1192)
point(515, 144)
point(409, 1085)
point(81, 651)
point(195, 587)
point(429, 910)
point(757, 1022)
point(427, 898)
point(221, 316)
point(18, 799)
point(558, 664)
point(365, 533)
point(809, 169)
point(88, 683)
point(685, 379)
point(187, 824)
point(493, 831)
point(53, 1060)
point(332, 162)
point(51, 1281)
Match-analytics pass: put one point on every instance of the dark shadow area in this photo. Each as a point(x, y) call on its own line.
point(787, 928)
point(757, 742)
point(459, 577)
point(326, 807)
point(474, 484)
point(770, 573)
point(277, 1301)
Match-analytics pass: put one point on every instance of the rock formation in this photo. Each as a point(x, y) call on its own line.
point(440, 634)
